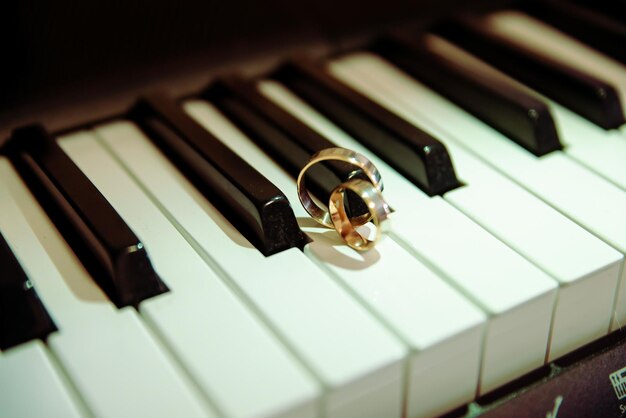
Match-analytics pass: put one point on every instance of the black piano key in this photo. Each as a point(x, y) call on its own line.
point(601, 32)
point(417, 155)
point(257, 208)
point(282, 136)
point(516, 114)
point(103, 242)
point(583, 93)
point(23, 316)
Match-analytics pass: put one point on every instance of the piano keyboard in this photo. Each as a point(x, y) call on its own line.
point(160, 264)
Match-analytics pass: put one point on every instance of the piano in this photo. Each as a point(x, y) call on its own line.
point(156, 262)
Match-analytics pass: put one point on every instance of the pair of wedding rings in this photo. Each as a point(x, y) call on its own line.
point(335, 215)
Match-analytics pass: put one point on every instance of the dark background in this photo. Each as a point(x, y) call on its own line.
point(66, 52)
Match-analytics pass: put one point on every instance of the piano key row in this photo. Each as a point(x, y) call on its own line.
point(327, 331)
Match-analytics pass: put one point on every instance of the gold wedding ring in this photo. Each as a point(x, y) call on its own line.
point(378, 209)
point(321, 213)
point(335, 215)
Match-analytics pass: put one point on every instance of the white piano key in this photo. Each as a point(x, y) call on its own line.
point(603, 151)
point(599, 150)
point(115, 364)
point(574, 257)
point(32, 386)
point(315, 317)
point(620, 302)
point(579, 261)
point(584, 197)
point(243, 369)
point(442, 329)
point(546, 40)
point(135, 377)
point(541, 239)
point(517, 296)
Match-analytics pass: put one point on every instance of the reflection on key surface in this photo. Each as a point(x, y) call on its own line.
point(106, 246)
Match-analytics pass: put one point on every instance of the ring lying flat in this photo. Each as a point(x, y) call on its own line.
point(321, 213)
point(373, 199)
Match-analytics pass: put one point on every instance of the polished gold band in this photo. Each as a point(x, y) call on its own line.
point(321, 213)
point(378, 209)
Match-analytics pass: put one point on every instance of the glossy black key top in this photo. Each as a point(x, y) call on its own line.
point(23, 316)
point(595, 29)
point(583, 93)
point(282, 136)
point(515, 113)
point(106, 246)
point(415, 154)
point(257, 208)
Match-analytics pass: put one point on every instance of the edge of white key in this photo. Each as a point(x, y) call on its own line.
point(392, 284)
point(535, 171)
point(373, 376)
point(573, 256)
point(527, 289)
point(531, 32)
point(600, 150)
point(97, 344)
point(210, 331)
point(32, 385)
